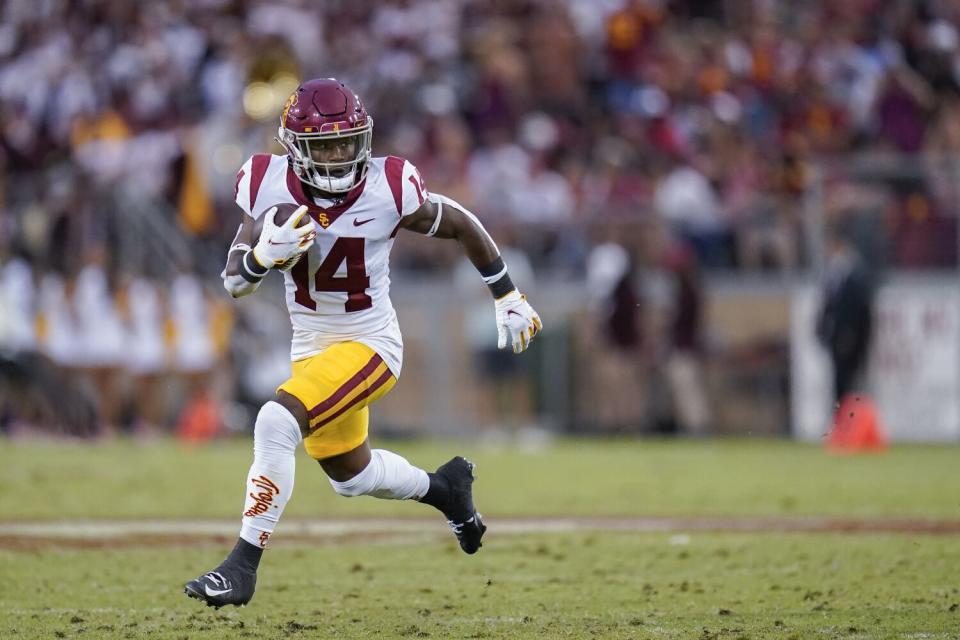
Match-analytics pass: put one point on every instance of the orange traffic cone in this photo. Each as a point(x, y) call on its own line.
point(200, 420)
point(856, 426)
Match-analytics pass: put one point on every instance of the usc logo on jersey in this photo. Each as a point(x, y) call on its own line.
point(323, 219)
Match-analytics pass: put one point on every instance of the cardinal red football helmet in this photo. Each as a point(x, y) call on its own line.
point(320, 114)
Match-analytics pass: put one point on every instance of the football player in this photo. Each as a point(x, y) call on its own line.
point(344, 209)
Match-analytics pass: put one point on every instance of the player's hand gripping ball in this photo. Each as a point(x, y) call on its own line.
point(286, 232)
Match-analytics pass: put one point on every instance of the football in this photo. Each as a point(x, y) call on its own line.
point(284, 211)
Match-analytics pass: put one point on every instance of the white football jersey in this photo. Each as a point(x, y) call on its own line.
point(340, 289)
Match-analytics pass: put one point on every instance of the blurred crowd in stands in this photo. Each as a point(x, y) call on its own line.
point(617, 135)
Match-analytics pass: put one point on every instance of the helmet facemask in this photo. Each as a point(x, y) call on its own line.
point(333, 176)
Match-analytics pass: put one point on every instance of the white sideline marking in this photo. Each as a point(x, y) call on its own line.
point(338, 527)
point(100, 529)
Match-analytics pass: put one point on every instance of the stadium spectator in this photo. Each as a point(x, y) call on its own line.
point(118, 95)
point(688, 202)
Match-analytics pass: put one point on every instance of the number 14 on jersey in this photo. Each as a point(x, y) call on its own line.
point(354, 283)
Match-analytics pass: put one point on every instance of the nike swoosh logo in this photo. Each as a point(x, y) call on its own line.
point(514, 313)
point(357, 223)
point(215, 592)
point(277, 244)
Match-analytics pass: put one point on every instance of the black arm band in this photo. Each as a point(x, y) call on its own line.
point(251, 270)
point(496, 277)
point(501, 287)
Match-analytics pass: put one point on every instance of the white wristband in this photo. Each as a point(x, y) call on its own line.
point(491, 279)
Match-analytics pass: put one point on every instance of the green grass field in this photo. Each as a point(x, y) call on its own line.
point(578, 584)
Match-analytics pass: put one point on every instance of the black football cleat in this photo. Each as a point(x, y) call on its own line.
point(225, 585)
point(461, 515)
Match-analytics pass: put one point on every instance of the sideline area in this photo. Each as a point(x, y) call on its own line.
point(159, 532)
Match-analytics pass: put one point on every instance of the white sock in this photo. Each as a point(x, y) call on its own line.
point(270, 480)
point(388, 476)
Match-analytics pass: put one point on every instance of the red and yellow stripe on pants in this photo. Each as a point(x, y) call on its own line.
point(336, 386)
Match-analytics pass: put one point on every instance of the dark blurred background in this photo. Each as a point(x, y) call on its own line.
point(661, 175)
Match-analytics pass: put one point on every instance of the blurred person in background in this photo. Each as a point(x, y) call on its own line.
point(100, 339)
point(194, 358)
point(35, 392)
point(687, 200)
point(343, 208)
point(503, 394)
point(845, 323)
point(448, 158)
point(17, 303)
point(617, 396)
point(77, 407)
point(684, 366)
point(18, 406)
point(144, 313)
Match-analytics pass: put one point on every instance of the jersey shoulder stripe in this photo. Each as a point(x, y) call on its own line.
point(256, 189)
point(259, 164)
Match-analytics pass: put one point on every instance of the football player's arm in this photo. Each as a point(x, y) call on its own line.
point(278, 246)
point(238, 279)
point(441, 217)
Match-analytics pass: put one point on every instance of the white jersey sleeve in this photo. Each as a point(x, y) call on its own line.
point(258, 175)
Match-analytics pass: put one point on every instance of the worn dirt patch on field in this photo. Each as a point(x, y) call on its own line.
point(100, 534)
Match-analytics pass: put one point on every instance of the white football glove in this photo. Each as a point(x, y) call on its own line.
point(279, 247)
point(517, 322)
